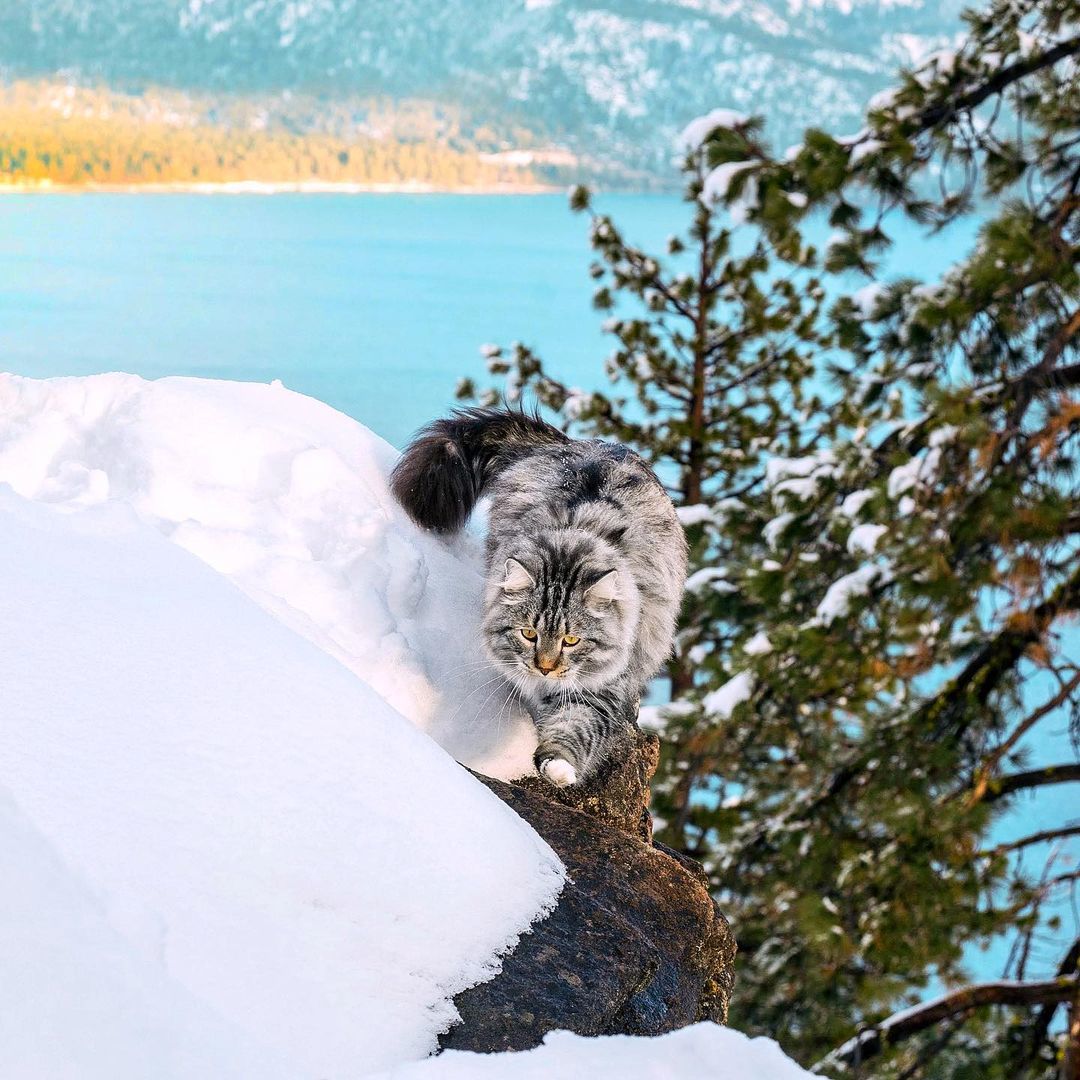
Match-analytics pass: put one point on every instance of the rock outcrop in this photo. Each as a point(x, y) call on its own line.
point(635, 945)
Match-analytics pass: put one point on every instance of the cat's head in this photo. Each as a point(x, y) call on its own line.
point(561, 611)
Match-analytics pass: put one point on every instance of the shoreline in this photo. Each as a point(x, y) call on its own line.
point(273, 187)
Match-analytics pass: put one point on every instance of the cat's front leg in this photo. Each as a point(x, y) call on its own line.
point(576, 736)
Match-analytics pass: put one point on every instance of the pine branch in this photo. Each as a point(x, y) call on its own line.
point(1062, 879)
point(1067, 376)
point(973, 686)
point(1034, 838)
point(947, 110)
point(902, 1025)
point(1003, 786)
point(1043, 376)
point(936, 1047)
point(1041, 1026)
point(982, 777)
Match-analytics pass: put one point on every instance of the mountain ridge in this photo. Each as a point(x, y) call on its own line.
point(610, 81)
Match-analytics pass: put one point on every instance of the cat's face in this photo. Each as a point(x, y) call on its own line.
point(552, 625)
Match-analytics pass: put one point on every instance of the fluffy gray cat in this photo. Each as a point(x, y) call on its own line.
point(586, 565)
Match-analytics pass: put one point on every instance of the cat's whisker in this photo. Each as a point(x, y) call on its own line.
point(475, 690)
point(497, 690)
point(480, 664)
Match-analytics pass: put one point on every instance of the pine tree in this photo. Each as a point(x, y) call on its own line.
point(882, 505)
point(712, 369)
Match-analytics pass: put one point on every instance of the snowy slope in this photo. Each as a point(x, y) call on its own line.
point(72, 981)
point(288, 498)
point(266, 854)
point(229, 848)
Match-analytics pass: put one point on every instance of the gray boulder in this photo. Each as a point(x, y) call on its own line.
point(635, 945)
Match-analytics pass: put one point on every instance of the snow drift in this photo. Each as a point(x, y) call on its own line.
point(288, 498)
point(700, 1052)
point(248, 818)
point(267, 853)
point(229, 846)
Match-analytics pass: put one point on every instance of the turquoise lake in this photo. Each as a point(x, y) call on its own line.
point(376, 304)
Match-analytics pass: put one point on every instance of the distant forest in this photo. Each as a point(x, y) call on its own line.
point(54, 134)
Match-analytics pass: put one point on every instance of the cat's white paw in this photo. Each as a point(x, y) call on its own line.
point(559, 771)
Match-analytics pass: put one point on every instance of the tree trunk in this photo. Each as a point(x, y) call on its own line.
point(1070, 1065)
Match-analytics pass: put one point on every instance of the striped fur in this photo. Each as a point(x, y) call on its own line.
point(583, 542)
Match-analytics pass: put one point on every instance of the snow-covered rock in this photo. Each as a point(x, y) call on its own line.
point(229, 846)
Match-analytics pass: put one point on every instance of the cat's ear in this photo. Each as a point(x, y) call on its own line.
point(605, 591)
point(517, 581)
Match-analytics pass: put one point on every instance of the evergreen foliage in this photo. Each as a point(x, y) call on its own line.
point(880, 487)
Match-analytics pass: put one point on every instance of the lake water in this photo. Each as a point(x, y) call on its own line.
point(376, 304)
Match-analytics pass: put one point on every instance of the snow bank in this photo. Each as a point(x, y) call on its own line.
point(228, 848)
point(259, 844)
point(288, 498)
point(701, 1052)
point(73, 984)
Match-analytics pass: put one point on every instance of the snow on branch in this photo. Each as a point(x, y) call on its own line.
point(701, 127)
point(721, 703)
point(838, 597)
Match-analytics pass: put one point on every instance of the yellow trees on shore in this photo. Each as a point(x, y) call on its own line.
point(57, 135)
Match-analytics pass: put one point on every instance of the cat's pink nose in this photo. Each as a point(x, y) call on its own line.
point(546, 666)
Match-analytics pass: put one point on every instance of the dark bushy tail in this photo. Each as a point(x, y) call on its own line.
point(445, 469)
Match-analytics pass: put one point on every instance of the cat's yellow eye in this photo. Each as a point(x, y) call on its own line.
point(528, 634)
point(570, 640)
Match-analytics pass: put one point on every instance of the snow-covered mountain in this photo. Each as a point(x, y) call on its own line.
point(613, 80)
